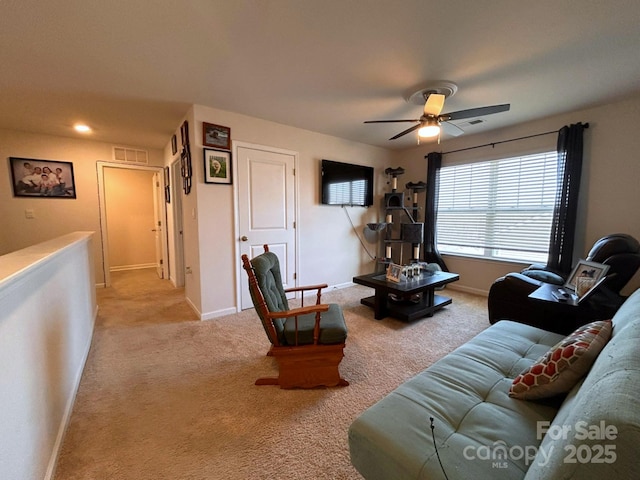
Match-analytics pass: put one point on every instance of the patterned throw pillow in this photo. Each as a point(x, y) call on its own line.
point(558, 370)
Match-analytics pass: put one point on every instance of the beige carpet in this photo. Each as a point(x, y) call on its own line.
point(164, 396)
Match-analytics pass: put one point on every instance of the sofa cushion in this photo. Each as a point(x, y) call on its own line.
point(559, 369)
point(606, 404)
point(466, 393)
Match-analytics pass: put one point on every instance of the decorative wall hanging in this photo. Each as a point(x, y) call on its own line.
point(167, 184)
point(185, 158)
point(174, 145)
point(216, 136)
point(217, 166)
point(42, 178)
point(184, 133)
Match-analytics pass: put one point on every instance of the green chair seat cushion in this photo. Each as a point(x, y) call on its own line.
point(333, 329)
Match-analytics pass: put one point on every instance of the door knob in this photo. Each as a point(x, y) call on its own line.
point(244, 238)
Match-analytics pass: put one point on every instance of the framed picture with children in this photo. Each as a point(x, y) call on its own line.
point(42, 178)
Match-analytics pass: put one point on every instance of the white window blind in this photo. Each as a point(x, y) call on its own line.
point(500, 208)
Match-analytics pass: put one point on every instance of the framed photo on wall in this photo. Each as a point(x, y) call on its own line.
point(216, 136)
point(167, 184)
point(174, 144)
point(217, 166)
point(42, 178)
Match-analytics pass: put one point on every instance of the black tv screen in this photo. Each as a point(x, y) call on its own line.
point(346, 184)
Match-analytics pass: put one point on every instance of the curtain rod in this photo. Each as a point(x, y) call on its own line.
point(493, 144)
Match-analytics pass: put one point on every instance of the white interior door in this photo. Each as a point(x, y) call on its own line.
point(266, 209)
point(158, 224)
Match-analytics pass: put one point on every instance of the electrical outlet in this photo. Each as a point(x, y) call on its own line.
point(29, 213)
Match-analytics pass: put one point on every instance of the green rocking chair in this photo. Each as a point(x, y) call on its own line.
point(307, 342)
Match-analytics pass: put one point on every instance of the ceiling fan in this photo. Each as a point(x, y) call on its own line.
point(431, 122)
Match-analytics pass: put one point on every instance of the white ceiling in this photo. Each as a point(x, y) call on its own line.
point(132, 68)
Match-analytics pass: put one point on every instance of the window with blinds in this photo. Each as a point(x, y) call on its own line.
point(498, 209)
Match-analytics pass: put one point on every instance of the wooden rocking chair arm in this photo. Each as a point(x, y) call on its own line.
point(306, 287)
point(299, 311)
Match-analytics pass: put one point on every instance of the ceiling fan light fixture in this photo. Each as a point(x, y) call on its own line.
point(433, 122)
point(429, 129)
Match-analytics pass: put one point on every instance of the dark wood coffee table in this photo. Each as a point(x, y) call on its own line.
point(406, 308)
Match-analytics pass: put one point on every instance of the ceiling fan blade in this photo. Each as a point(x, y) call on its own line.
point(391, 121)
point(475, 112)
point(434, 104)
point(408, 130)
point(451, 129)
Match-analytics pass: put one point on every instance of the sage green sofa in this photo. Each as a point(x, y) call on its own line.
point(481, 433)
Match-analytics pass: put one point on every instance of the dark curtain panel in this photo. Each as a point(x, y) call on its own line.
point(431, 253)
point(563, 227)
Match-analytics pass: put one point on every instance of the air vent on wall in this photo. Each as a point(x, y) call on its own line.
point(130, 155)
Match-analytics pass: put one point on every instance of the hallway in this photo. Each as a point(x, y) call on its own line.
point(139, 297)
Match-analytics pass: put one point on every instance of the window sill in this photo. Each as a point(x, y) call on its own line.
point(477, 258)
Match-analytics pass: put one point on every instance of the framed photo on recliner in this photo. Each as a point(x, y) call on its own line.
point(593, 271)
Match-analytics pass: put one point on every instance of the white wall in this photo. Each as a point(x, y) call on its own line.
point(610, 192)
point(329, 251)
point(47, 314)
point(55, 216)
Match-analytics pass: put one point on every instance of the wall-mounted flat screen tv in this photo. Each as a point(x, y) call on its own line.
point(346, 184)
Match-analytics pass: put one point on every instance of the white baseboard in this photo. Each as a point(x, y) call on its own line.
point(218, 313)
point(211, 315)
point(341, 285)
point(122, 268)
point(462, 288)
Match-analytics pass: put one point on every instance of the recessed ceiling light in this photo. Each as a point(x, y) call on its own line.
point(82, 128)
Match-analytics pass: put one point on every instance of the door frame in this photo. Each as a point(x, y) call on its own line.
point(178, 227)
point(240, 274)
point(106, 265)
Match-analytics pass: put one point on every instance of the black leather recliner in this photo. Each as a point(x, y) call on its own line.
point(509, 295)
